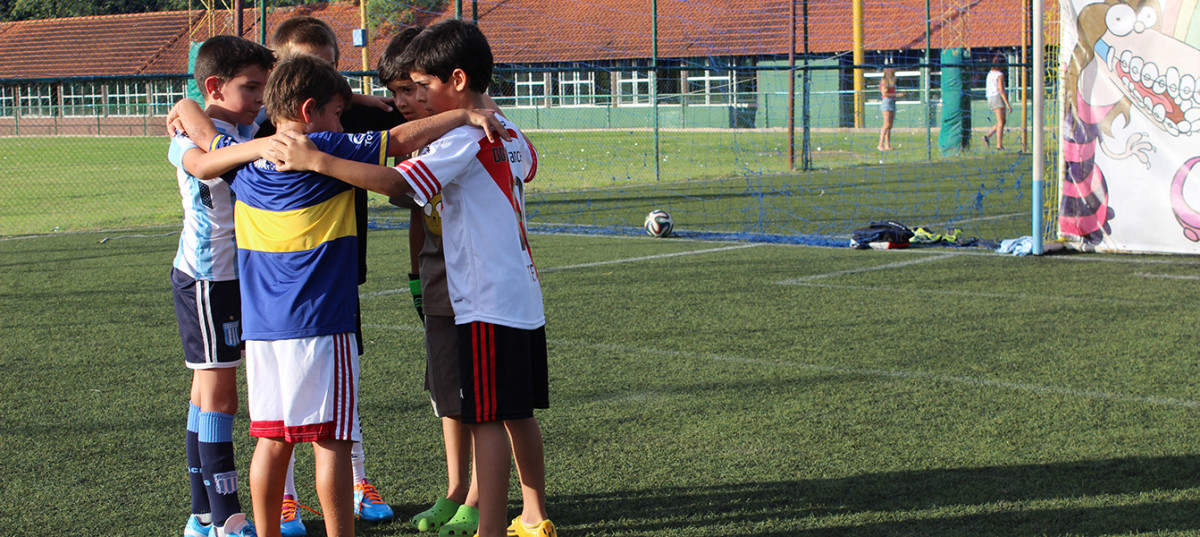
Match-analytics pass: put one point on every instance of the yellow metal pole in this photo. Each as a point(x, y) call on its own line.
point(1024, 72)
point(859, 59)
point(366, 58)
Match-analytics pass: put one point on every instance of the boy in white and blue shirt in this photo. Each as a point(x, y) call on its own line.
point(231, 73)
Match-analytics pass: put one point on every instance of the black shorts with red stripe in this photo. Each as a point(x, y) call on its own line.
point(502, 372)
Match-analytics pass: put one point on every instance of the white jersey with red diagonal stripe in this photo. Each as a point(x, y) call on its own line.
point(489, 267)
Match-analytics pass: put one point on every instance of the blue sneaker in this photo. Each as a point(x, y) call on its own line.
point(289, 522)
point(235, 526)
point(195, 528)
point(368, 504)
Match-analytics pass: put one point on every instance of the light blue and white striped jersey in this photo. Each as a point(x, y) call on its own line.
point(207, 249)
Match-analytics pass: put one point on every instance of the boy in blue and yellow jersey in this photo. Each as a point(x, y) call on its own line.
point(232, 73)
point(493, 283)
point(313, 36)
point(297, 254)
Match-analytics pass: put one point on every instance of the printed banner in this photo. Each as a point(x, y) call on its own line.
point(1130, 129)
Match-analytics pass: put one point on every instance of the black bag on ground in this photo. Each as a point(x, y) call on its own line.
point(893, 234)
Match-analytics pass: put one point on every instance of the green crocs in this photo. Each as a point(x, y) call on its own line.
point(464, 524)
point(435, 517)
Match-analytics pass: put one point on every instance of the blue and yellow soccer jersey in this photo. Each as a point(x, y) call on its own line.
point(297, 247)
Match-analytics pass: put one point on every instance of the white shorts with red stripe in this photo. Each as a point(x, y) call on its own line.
point(304, 390)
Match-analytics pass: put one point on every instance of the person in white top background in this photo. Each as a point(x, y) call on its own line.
point(998, 101)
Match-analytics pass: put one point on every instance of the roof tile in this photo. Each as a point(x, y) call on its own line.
point(525, 31)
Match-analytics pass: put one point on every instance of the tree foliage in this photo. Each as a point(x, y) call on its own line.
point(388, 16)
point(14, 10)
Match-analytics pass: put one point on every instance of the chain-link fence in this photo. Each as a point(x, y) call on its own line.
point(739, 119)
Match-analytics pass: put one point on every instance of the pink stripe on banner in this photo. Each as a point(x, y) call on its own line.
point(1083, 188)
point(1083, 225)
point(1088, 113)
point(1073, 152)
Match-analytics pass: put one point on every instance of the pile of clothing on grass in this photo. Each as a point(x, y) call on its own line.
point(888, 235)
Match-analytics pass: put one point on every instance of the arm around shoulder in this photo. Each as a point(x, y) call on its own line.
point(294, 152)
point(215, 163)
point(187, 117)
point(413, 135)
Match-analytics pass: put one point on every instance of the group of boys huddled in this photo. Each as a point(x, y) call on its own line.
point(273, 249)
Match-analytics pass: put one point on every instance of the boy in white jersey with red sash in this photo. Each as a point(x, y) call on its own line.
point(493, 283)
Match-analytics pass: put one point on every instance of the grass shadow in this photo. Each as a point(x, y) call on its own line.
point(964, 501)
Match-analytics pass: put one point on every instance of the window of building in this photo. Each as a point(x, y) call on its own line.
point(126, 98)
point(709, 87)
point(8, 101)
point(36, 100)
point(373, 88)
point(531, 88)
point(84, 99)
point(378, 89)
point(633, 87)
point(164, 94)
point(577, 88)
point(503, 88)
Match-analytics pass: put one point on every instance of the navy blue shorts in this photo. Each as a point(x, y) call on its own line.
point(210, 321)
point(502, 372)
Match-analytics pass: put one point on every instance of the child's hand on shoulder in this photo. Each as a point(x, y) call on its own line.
point(292, 151)
point(181, 113)
point(486, 120)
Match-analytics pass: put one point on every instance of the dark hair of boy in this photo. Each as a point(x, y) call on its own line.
point(305, 30)
point(449, 45)
point(225, 56)
point(390, 69)
point(299, 78)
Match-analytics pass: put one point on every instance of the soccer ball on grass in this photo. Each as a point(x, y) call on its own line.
point(659, 223)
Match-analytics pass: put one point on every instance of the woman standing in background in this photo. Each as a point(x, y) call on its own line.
point(887, 94)
point(997, 100)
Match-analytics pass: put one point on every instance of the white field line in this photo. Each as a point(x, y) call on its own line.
point(803, 279)
point(651, 257)
point(971, 294)
point(599, 263)
point(1167, 276)
point(97, 232)
point(809, 281)
point(980, 219)
point(1130, 258)
point(863, 372)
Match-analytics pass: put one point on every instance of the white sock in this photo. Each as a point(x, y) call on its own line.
point(357, 459)
point(289, 484)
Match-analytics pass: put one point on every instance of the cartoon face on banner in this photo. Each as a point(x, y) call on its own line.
point(1130, 131)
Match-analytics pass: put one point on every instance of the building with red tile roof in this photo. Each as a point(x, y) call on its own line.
point(548, 52)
